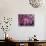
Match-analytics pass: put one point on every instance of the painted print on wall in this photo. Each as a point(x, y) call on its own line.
point(26, 19)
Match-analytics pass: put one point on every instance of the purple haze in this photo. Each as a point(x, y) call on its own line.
point(26, 19)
